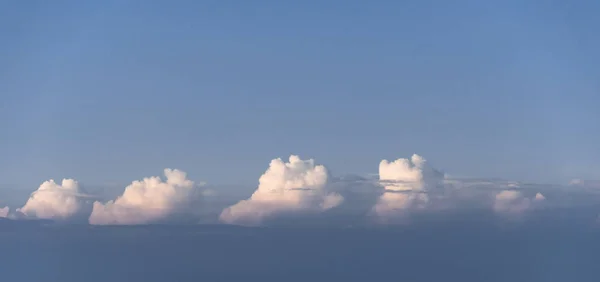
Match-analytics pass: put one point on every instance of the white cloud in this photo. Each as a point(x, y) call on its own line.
point(54, 201)
point(146, 201)
point(539, 197)
point(4, 212)
point(286, 187)
point(510, 201)
point(407, 184)
point(514, 202)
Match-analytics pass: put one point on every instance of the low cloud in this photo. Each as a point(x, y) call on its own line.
point(296, 186)
point(146, 201)
point(54, 201)
point(4, 212)
point(514, 202)
point(591, 184)
point(407, 185)
point(412, 185)
point(539, 197)
point(297, 190)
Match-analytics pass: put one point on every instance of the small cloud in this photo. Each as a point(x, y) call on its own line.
point(539, 197)
point(511, 201)
point(4, 212)
point(593, 184)
point(514, 202)
point(576, 182)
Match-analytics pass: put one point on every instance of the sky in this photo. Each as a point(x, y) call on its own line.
point(110, 91)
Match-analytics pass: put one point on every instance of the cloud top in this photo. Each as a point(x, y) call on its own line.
point(286, 187)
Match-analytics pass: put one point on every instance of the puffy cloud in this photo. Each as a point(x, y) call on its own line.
point(146, 201)
point(513, 201)
point(510, 201)
point(4, 212)
point(407, 184)
point(286, 187)
point(539, 197)
point(54, 201)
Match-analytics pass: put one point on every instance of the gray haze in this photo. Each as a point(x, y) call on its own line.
point(471, 245)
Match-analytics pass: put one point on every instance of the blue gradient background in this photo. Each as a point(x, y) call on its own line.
point(112, 91)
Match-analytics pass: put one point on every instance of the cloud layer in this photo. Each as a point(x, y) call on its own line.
point(146, 201)
point(54, 201)
point(297, 189)
point(296, 186)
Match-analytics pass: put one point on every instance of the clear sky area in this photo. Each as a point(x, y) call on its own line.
point(113, 91)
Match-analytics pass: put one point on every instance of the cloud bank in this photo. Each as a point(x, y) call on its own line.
point(146, 201)
point(54, 201)
point(296, 186)
point(302, 191)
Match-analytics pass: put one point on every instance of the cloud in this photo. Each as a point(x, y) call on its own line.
point(591, 184)
point(296, 186)
point(4, 212)
point(54, 201)
point(407, 185)
point(539, 197)
point(576, 182)
point(146, 201)
point(208, 193)
point(297, 190)
point(413, 185)
point(514, 202)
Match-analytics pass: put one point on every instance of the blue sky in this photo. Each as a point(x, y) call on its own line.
point(112, 91)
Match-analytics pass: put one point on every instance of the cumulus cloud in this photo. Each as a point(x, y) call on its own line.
point(286, 187)
point(4, 212)
point(407, 184)
point(146, 201)
point(539, 197)
point(293, 187)
point(513, 201)
point(54, 201)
